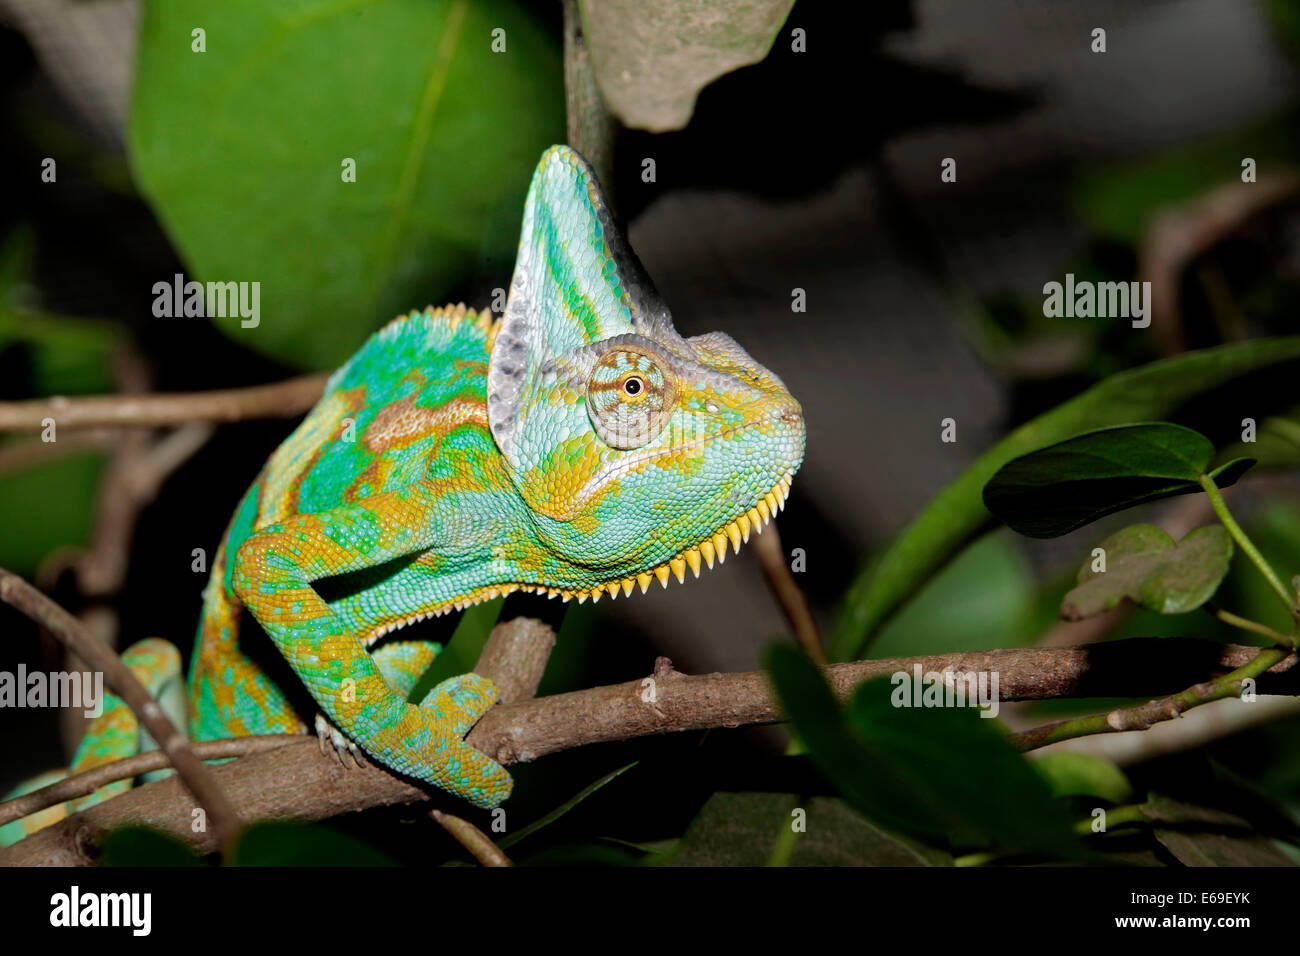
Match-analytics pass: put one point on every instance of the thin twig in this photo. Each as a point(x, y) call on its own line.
point(1142, 716)
point(1246, 624)
point(780, 581)
point(1243, 541)
point(279, 400)
point(478, 843)
point(1181, 234)
point(589, 124)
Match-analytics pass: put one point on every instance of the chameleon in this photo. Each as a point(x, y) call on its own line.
point(576, 447)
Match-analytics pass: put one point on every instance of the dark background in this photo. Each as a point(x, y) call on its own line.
point(818, 171)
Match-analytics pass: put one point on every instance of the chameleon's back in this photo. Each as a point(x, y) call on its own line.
point(371, 431)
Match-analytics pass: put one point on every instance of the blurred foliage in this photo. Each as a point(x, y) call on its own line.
point(940, 774)
point(985, 598)
point(45, 354)
point(1119, 201)
point(957, 513)
point(240, 150)
point(1073, 774)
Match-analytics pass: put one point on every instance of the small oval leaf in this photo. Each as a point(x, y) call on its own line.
point(1144, 565)
point(1057, 489)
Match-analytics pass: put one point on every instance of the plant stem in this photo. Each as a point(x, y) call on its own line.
point(1142, 716)
point(1246, 624)
point(1221, 509)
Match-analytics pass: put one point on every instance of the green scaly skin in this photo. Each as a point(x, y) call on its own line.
point(578, 447)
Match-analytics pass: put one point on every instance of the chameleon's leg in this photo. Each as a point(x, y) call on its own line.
point(402, 663)
point(230, 695)
point(273, 571)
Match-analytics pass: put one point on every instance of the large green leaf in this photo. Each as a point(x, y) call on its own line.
point(1054, 490)
point(240, 149)
point(935, 773)
point(958, 512)
point(1143, 564)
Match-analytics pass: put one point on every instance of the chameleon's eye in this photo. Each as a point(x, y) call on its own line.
point(630, 397)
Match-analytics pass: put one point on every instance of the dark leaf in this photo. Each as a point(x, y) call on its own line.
point(1064, 486)
point(936, 773)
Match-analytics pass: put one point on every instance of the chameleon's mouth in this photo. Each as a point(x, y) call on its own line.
point(707, 551)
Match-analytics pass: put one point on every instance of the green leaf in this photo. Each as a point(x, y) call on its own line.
point(1143, 564)
point(301, 844)
point(957, 513)
point(1057, 489)
point(935, 773)
point(741, 829)
point(1222, 849)
point(652, 57)
point(240, 150)
point(1206, 836)
point(1072, 774)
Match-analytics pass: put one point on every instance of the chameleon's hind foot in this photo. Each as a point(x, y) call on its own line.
point(330, 736)
point(456, 705)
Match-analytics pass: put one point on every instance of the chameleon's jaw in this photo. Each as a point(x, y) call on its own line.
point(710, 550)
point(707, 551)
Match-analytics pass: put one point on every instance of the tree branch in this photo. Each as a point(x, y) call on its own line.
point(279, 400)
point(295, 782)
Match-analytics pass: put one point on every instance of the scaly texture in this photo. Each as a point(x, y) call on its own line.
point(578, 447)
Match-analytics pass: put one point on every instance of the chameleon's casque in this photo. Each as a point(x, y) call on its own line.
point(577, 447)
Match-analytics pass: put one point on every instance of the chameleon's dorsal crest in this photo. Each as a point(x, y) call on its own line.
point(575, 283)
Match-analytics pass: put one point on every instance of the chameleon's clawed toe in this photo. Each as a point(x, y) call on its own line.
point(343, 748)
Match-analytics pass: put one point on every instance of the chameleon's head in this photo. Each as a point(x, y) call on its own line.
point(638, 452)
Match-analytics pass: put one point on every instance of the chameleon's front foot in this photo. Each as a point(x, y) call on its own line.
point(455, 706)
point(331, 738)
